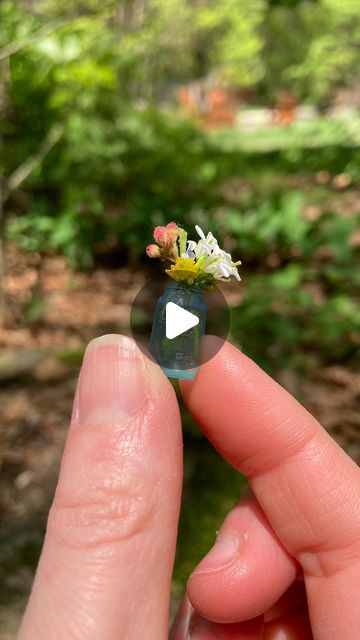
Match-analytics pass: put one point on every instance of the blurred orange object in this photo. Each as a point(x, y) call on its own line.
point(285, 110)
point(213, 107)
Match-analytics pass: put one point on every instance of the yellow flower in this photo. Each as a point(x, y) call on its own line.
point(184, 270)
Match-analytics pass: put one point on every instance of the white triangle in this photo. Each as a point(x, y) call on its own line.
point(178, 320)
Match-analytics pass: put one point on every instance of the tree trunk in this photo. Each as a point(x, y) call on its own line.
point(2, 265)
point(4, 74)
point(2, 291)
point(13, 182)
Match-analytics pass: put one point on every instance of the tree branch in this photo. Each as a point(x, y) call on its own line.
point(32, 38)
point(21, 173)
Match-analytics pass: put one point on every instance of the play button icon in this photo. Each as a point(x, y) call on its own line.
point(178, 320)
point(177, 325)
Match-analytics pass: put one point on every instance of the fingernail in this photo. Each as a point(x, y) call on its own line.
point(224, 552)
point(112, 381)
point(179, 630)
point(202, 630)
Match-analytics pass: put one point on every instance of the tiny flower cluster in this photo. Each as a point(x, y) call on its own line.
point(201, 262)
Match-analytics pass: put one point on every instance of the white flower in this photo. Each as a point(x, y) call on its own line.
point(190, 250)
point(214, 260)
point(206, 244)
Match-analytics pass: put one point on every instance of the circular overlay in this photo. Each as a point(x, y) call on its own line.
point(143, 311)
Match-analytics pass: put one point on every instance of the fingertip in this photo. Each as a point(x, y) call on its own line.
point(245, 572)
point(113, 383)
point(214, 352)
point(119, 379)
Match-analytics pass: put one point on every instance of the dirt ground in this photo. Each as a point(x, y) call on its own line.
point(39, 362)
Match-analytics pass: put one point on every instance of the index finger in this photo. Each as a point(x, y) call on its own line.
point(305, 483)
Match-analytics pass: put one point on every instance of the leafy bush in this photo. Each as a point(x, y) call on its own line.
point(116, 182)
point(122, 165)
point(305, 311)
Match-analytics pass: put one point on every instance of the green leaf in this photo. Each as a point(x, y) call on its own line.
point(182, 241)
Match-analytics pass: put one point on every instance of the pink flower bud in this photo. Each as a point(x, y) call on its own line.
point(167, 235)
point(153, 251)
point(160, 234)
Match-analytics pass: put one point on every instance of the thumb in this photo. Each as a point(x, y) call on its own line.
point(106, 565)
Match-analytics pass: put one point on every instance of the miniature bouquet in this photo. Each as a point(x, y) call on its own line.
point(200, 262)
point(181, 312)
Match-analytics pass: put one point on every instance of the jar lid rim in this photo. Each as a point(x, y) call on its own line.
point(182, 285)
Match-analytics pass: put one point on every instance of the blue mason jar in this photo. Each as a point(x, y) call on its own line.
point(178, 357)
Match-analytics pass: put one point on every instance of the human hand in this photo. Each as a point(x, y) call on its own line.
point(105, 570)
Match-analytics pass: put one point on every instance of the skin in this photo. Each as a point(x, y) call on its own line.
point(286, 563)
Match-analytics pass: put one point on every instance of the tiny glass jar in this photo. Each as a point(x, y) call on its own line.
point(179, 356)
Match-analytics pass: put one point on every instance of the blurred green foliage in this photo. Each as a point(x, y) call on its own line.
point(124, 165)
point(304, 310)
